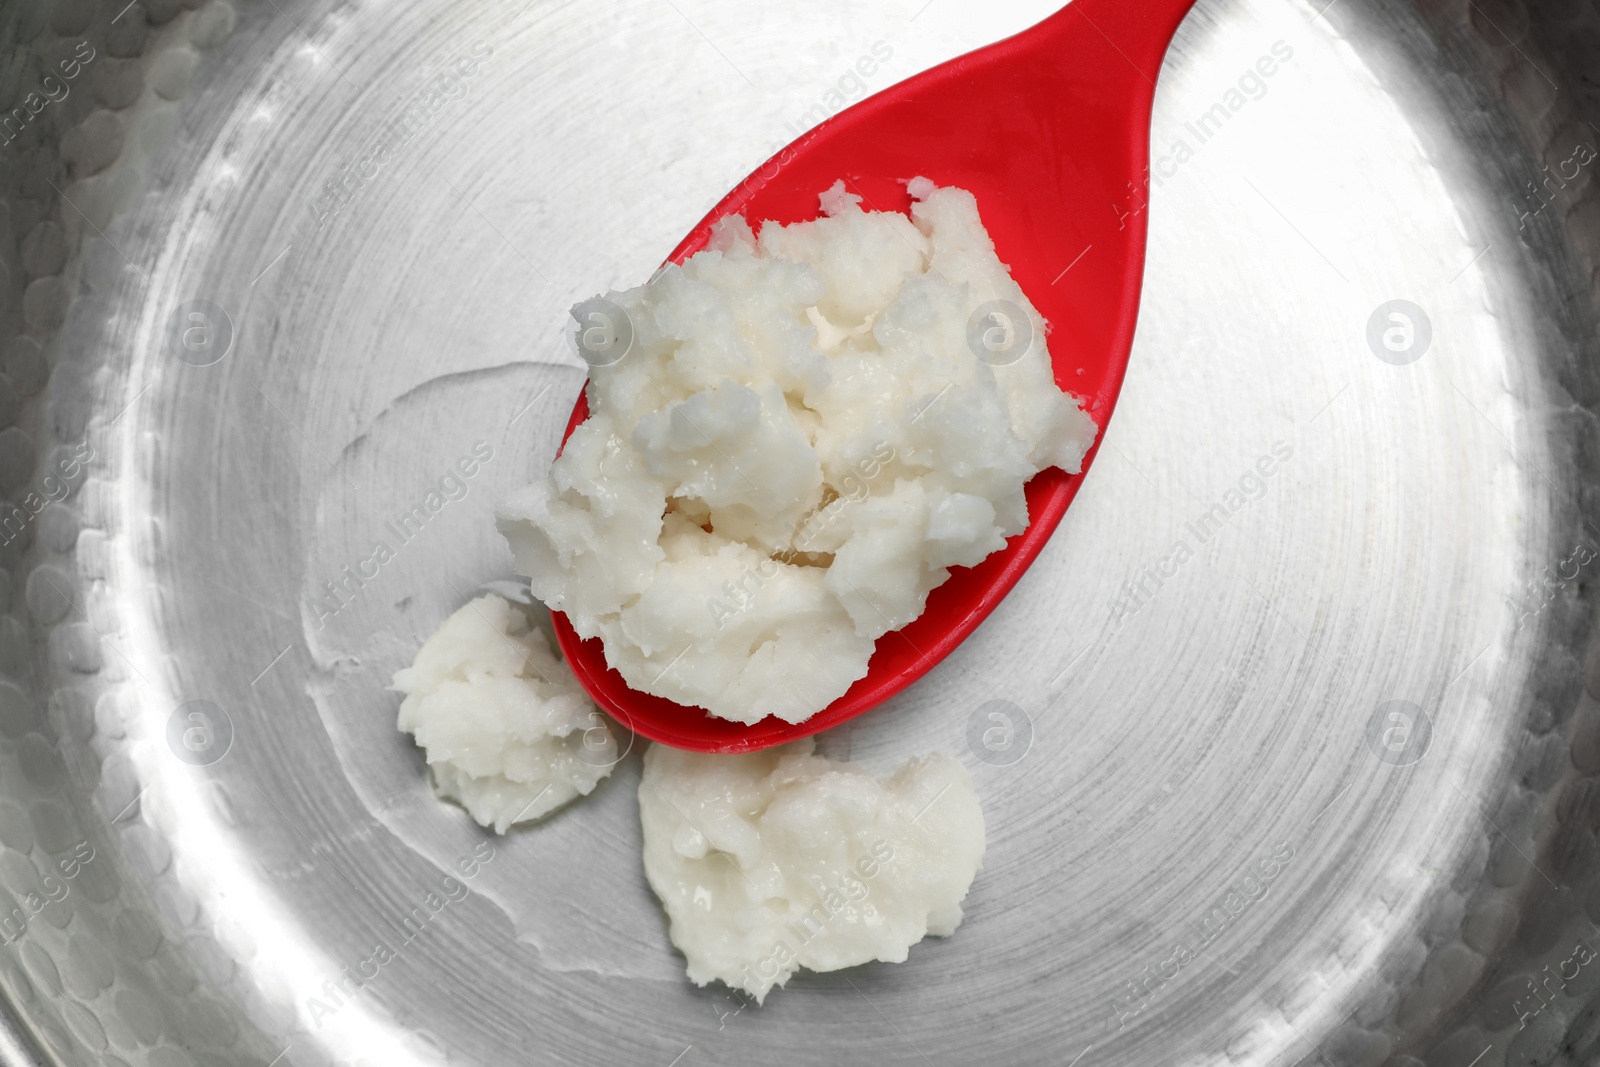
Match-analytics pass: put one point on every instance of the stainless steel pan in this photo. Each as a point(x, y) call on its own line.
point(1286, 746)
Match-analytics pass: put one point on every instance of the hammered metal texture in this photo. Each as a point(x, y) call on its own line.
point(360, 327)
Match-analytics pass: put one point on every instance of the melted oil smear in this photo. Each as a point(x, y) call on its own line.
point(382, 572)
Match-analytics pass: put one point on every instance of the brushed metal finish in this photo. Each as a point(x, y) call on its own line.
point(1283, 744)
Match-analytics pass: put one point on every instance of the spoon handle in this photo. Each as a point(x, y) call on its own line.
point(1138, 31)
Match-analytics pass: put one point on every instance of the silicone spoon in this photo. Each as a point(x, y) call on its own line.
point(1050, 130)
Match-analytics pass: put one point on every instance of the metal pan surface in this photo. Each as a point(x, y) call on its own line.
point(1284, 744)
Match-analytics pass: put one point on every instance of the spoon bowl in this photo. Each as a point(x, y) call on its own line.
point(1049, 130)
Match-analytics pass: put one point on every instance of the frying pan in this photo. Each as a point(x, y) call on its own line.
point(1287, 744)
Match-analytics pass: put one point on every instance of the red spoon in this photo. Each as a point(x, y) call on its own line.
point(1050, 131)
